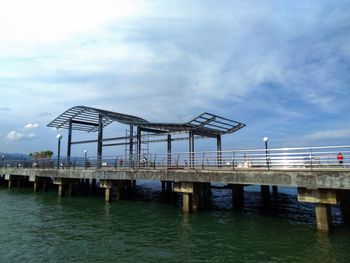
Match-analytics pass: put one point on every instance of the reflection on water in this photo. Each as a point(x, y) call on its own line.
point(44, 228)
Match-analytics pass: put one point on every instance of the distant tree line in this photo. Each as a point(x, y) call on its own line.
point(41, 155)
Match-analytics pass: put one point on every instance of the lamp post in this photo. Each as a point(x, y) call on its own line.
point(59, 138)
point(85, 163)
point(2, 161)
point(266, 139)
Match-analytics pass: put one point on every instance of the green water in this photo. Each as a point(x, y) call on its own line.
point(41, 227)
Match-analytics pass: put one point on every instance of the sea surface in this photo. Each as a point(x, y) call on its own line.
point(40, 227)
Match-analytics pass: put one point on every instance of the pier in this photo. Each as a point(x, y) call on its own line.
point(322, 183)
point(320, 176)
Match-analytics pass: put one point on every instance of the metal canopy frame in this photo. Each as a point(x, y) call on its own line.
point(89, 119)
point(86, 119)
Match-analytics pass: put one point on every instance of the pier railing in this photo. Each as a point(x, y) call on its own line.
point(265, 159)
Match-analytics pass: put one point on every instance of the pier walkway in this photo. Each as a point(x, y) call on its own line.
point(321, 177)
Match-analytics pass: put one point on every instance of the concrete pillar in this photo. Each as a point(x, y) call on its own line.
point(237, 195)
point(93, 185)
point(265, 192)
point(322, 198)
point(129, 188)
point(108, 195)
point(206, 189)
point(119, 192)
point(60, 190)
point(323, 217)
point(196, 199)
point(36, 186)
point(186, 203)
point(86, 185)
point(70, 189)
point(169, 186)
point(344, 203)
point(18, 182)
point(10, 183)
point(44, 186)
point(163, 186)
point(274, 189)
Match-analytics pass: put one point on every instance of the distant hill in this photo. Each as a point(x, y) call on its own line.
point(14, 156)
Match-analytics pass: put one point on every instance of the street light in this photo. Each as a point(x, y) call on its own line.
point(85, 153)
point(266, 139)
point(59, 138)
point(2, 161)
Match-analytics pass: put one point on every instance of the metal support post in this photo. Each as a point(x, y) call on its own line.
point(219, 149)
point(169, 150)
point(138, 149)
point(191, 149)
point(131, 146)
point(69, 142)
point(99, 141)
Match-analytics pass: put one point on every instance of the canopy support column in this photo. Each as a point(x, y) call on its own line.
point(191, 149)
point(131, 146)
point(69, 142)
point(169, 149)
point(138, 149)
point(219, 149)
point(99, 141)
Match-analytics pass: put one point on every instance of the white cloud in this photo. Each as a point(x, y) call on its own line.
point(4, 109)
point(15, 136)
point(259, 62)
point(329, 134)
point(48, 21)
point(31, 126)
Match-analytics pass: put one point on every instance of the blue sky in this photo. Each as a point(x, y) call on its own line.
point(281, 67)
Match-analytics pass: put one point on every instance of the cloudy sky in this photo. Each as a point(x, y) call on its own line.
point(281, 67)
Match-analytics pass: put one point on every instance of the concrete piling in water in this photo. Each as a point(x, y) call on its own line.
point(196, 197)
point(107, 185)
point(186, 202)
point(93, 186)
point(62, 186)
point(237, 195)
point(36, 186)
point(39, 183)
point(191, 195)
point(274, 189)
point(265, 192)
point(45, 186)
point(60, 190)
point(108, 194)
point(323, 217)
point(322, 199)
point(119, 191)
point(318, 187)
point(118, 185)
point(343, 196)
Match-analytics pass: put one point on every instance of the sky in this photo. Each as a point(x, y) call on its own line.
point(280, 67)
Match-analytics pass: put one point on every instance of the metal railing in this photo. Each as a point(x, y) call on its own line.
point(272, 159)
